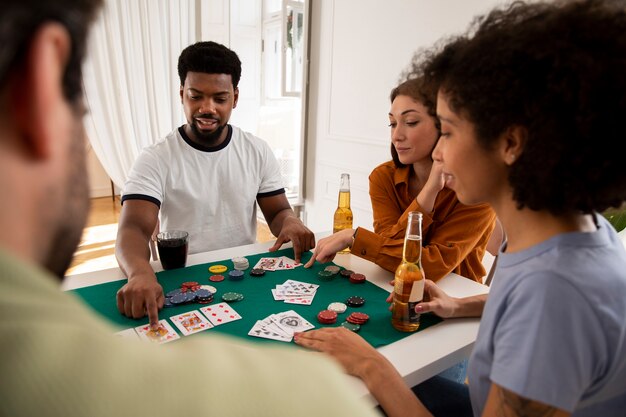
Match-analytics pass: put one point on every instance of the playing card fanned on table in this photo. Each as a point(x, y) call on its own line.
point(280, 326)
point(295, 292)
point(276, 264)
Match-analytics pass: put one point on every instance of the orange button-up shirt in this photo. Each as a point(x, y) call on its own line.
point(454, 236)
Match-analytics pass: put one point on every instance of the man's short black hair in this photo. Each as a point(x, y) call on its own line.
point(210, 58)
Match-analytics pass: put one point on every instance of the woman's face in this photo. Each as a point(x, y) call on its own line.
point(475, 174)
point(413, 131)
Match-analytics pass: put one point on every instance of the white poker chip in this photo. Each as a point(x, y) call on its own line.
point(209, 288)
point(338, 307)
point(241, 263)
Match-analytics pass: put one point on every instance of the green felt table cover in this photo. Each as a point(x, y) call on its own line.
point(259, 302)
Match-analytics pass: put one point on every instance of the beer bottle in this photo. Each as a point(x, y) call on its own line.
point(343, 215)
point(409, 280)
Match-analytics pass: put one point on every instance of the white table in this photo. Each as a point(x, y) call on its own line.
point(417, 357)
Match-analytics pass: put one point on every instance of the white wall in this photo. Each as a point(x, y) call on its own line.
point(358, 50)
point(99, 181)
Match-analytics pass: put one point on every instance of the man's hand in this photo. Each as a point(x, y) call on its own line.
point(141, 296)
point(294, 231)
point(328, 247)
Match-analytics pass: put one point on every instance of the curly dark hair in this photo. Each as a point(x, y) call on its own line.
point(20, 19)
point(557, 70)
point(421, 90)
point(211, 58)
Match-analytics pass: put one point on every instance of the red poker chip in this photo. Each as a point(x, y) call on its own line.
point(352, 320)
point(327, 316)
point(357, 278)
point(360, 316)
point(189, 284)
point(216, 278)
point(357, 318)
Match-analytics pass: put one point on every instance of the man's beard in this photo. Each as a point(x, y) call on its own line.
point(69, 227)
point(208, 138)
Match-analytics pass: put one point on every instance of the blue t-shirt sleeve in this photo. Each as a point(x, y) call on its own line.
point(548, 345)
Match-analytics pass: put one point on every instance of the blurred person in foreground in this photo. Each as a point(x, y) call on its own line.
point(58, 358)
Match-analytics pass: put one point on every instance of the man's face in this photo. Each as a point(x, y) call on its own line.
point(208, 100)
point(67, 230)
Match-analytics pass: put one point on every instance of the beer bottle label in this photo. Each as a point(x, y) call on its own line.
point(417, 291)
point(416, 296)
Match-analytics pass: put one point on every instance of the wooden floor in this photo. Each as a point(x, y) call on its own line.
point(96, 249)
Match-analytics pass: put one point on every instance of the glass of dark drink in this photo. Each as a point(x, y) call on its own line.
point(173, 245)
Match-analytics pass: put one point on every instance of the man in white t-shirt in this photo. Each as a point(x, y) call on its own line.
point(205, 177)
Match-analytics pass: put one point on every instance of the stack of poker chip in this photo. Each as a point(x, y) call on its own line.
point(241, 263)
point(357, 278)
point(346, 273)
point(230, 297)
point(216, 278)
point(338, 307)
point(217, 269)
point(357, 317)
point(235, 275)
point(325, 275)
point(355, 301)
point(327, 316)
point(189, 292)
point(355, 320)
point(351, 326)
point(333, 268)
point(257, 272)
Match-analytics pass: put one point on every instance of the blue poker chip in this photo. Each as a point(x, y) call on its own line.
point(173, 292)
point(190, 296)
point(235, 275)
point(168, 303)
point(203, 294)
point(179, 299)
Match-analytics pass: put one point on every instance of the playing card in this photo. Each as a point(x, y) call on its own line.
point(291, 322)
point(164, 334)
point(220, 313)
point(191, 322)
point(260, 330)
point(269, 324)
point(305, 300)
point(127, 334)
point(277, 295)
point(288, 263)
point(267, 264)
point(298, 287)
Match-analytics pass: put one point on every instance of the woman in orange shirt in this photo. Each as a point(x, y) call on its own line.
point(454, 235)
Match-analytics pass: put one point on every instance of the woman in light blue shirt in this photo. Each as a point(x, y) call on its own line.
point(532, 109)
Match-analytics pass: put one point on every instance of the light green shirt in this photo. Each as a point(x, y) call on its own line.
point(58, 359)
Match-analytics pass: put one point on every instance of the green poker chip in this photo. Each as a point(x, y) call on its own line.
point(351, 326)
point(333, 268)
point(232, 296)
point(325, 275)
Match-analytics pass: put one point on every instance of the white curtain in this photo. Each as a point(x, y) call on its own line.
point(131, 80)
